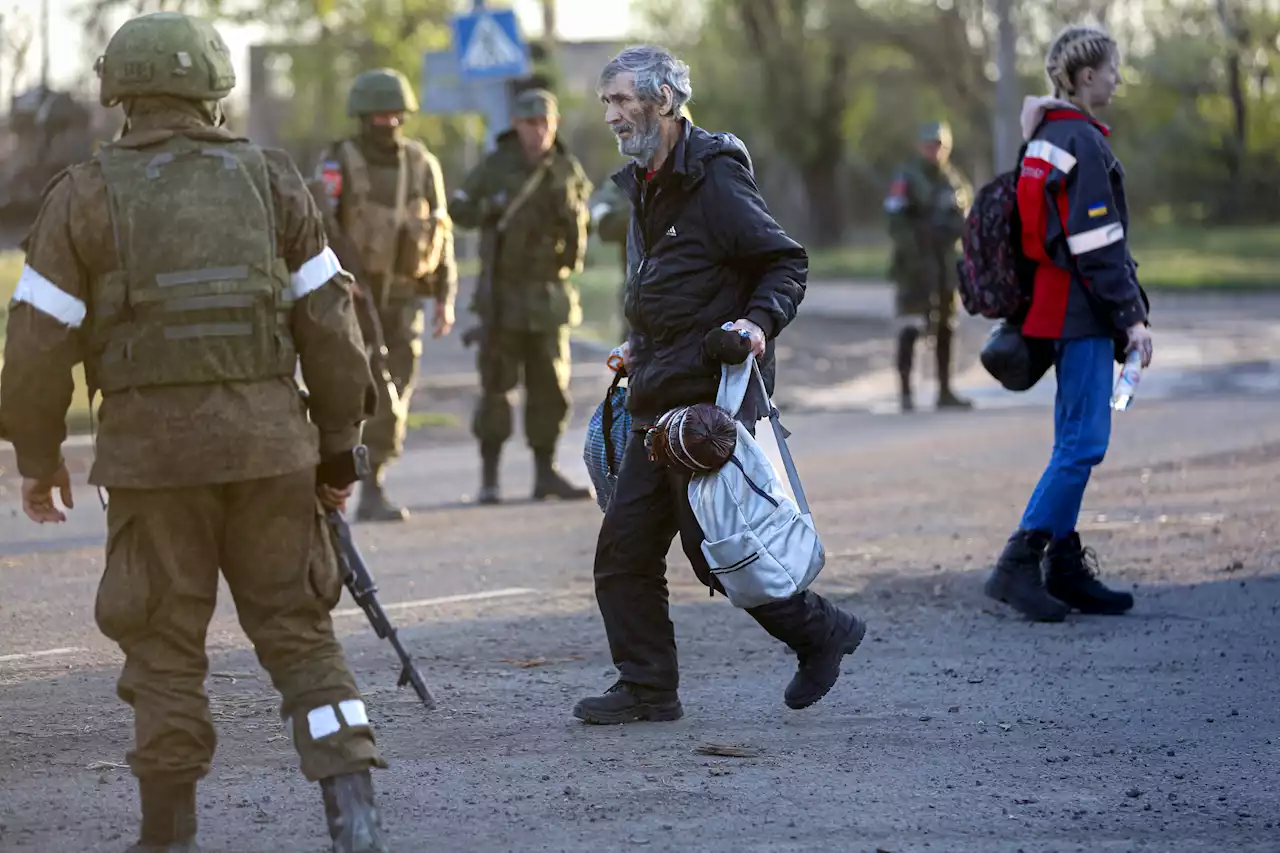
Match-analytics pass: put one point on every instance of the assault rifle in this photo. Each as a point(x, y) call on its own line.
point(356, 577)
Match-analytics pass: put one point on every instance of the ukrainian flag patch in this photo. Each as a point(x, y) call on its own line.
point(1096, 210)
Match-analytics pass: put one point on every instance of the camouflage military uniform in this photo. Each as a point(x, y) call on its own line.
point(610, 218)
point(541, 208)
point(188, 270)
point(386, 200)
point(927, 203)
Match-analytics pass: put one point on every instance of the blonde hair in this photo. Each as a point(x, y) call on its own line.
point(1075, 49)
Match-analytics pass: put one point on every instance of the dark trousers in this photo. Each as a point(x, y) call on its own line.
point(648, 509)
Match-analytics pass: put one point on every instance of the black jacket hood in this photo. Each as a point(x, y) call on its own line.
point(694, 150)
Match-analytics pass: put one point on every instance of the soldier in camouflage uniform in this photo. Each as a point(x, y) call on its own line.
point(188, 269)
point(386, 199)
point(535, 193)
point(610, 219)
point(927, 203)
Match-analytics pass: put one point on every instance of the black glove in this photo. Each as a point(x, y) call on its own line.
point(340, 470)
point(726, 346)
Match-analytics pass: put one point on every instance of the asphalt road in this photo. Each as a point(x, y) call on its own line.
point(956, 727)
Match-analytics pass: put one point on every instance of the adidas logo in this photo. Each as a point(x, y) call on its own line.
point(671, 232)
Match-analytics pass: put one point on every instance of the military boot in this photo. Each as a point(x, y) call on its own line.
point(374, 505)
point(625, 702)
point(1017, 580)
point(1071, 576)
point(489, 458)
point(946, 398)
point(906, 357)
point(168, 817)
point(550, 483)
point(354, 823)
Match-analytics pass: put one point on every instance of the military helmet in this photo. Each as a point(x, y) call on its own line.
point(382, 90)
point(165, 53)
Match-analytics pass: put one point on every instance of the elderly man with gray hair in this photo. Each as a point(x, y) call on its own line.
point(703, 251)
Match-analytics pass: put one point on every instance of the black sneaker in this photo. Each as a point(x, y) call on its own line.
point(1071, 575)
point(818, 673)
point(625, 702)
point(1017, 581)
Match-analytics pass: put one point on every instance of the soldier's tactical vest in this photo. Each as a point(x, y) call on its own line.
point(401, 240)
point(201, 295)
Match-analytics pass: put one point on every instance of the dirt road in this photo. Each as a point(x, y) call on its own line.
point(956, 727)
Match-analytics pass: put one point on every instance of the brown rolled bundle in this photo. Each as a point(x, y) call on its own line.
point(697, 438)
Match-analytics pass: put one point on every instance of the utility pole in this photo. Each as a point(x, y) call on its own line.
point(1005, 129)
point(44, 45)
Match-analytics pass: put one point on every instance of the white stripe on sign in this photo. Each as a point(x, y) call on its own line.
point(46, 297)
point(1051, 154)
point(47, 653)
point(448, 599)
point(1095, 239)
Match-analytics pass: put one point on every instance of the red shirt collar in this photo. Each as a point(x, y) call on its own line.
point(1076, 115)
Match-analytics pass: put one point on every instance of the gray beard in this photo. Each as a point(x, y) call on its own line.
point(643, 143)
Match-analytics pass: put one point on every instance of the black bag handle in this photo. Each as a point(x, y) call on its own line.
point(606, 419)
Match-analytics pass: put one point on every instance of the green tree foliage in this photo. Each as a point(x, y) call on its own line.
point(828, 93)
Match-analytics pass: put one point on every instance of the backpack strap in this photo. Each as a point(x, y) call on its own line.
point(781, 434)
point(735, 381)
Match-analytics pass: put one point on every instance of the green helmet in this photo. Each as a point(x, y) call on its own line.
point(382, 90)
point(165, 53)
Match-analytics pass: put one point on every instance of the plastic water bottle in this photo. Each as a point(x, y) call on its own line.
point(1127, 384)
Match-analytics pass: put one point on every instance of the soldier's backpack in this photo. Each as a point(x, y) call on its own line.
point(761, 545)
point(995, 276)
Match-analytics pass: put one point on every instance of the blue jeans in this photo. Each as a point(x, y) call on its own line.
point(1081, 432)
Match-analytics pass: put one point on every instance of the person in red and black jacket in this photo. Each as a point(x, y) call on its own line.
point(1087, 300)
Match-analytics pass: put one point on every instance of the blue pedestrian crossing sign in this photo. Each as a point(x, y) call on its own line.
point(488, 45)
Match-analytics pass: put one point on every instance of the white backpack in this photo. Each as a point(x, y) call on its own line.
point(762, 545)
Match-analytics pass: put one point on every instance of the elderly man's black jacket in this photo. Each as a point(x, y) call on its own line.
point(702, 250)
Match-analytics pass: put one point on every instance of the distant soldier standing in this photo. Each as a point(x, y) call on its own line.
point(534, 194)
point(387, 198)
point(927, 203)
point(187, 268)
point(610, 219)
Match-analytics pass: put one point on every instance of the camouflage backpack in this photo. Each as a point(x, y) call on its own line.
point(995, 276)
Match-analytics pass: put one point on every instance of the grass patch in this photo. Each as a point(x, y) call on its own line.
point(422, 420)
point(1169, 258)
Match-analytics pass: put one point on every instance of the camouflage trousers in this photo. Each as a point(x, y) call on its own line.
point(403, 323)
point(164, 551)
point(926, 295)
point(543, 358)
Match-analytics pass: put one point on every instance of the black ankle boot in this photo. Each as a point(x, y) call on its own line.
point(625, 702)
point(374, 505)
point(354, 823)
point(1071, 575)
point(1017, 581)
point(906, 358)
point(820, 633)
point(168, 817)
point(947, 399)
point(490, 455)
point(550, 483)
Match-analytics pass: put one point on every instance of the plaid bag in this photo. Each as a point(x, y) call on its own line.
point(607, 435)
